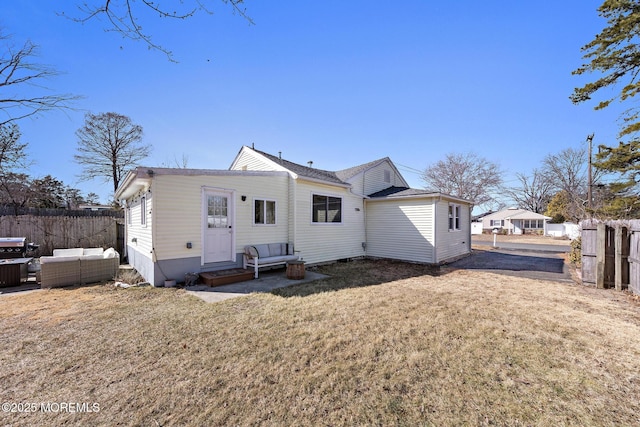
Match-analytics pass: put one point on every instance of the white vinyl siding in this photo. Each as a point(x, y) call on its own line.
point(401, 229)
point(375, 178)
point(252, 161)
point(328, 242)
point(139, 236)
point(451, 245)
point(178, 206)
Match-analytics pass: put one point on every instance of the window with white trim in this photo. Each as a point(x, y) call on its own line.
point(497, 223)
point(454, 217)
point(264, 212)
point(533, 223)
point(326, 209)
point(143, 211)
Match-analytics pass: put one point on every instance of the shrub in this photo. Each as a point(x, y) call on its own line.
point(575, 254)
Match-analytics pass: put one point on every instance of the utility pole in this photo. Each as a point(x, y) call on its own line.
point(590, 186)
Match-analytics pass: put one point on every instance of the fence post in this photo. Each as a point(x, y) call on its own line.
point(618, 258)
point(601, 238)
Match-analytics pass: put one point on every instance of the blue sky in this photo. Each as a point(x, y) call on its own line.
point(337, 82)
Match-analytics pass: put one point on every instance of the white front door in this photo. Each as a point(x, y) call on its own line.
point(217, 244)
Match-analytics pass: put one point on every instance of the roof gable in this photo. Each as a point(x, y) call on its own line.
point(349, 173)
point(346, 174)
point(278, 163)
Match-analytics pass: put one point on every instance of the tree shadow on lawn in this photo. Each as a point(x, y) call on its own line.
point(357, 274)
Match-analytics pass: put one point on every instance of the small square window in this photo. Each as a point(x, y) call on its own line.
point(264, 212)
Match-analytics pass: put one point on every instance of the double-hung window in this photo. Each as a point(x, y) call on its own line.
point(454, 217)
point(326, 209)
point(264, 212)
point(143, 211)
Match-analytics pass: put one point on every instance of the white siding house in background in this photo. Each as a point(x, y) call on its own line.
point(516, 221)
point(191, 220)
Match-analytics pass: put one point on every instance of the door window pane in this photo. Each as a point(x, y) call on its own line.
point(217, 212)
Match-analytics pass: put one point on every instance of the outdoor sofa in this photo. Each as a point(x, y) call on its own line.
point(268, 255)
point(77, 266)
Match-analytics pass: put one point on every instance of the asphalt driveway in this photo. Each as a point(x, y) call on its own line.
point(533, 264)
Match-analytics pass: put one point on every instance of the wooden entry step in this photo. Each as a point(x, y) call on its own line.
point(226, 277)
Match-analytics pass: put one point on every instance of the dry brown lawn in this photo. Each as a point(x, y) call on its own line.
point(380, 343)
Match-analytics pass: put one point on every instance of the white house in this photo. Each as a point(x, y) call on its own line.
point(516, 221)
point(181, 221)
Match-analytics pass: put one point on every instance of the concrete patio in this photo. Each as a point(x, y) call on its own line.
point(266, 282)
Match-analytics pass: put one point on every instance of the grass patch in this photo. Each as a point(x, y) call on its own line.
point(362, 348)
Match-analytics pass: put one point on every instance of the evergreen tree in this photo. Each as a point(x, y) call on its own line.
point(614, 56)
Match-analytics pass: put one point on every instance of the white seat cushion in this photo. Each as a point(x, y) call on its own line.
point(71, 252)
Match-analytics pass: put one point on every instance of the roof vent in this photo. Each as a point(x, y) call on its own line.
point(310, 163)
point(280, 155)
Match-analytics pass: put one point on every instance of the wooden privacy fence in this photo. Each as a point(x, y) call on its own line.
point(611, 254)
point(52, 232)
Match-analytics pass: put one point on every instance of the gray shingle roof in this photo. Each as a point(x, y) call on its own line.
point(399, 192)
point(304, 171)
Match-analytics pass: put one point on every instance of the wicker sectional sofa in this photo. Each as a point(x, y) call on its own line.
point(77, 266)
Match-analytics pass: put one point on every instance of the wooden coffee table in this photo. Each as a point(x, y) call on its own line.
point(13, 271)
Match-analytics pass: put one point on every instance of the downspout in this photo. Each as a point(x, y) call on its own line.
point(294, 211)
point(435, 228)
point(469, 209)
point(154, 257)
point(125, 247)
point(364, 214)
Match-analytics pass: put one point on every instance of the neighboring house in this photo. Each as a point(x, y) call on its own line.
point(193, 220)
point(516, 221)
point(476, 222)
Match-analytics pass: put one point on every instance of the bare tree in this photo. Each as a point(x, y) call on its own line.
point(568, 171)
point(15, 190)
point(108, 145)
point(534, 192)
point(182, 163)
point(124, 16)
point(14, 186)
point(13, 154)
point(465, 175)
point(18, 76)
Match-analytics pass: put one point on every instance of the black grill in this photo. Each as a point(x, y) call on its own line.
point(15, 247)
